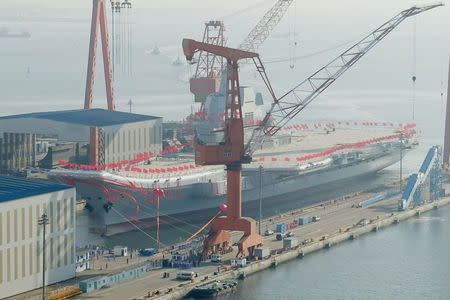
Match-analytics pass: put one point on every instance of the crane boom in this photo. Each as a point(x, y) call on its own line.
point(262, 30)
point(284, 108)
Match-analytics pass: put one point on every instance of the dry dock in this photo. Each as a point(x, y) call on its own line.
point(337, 224)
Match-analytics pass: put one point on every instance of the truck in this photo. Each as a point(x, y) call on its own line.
point(290, 243)
point(262, 253)
point(216, 258)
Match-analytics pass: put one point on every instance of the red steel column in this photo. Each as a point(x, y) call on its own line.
point(446, 156)
point(93, 146)
point(98, 18)
point(106, 57)
point(234, 195)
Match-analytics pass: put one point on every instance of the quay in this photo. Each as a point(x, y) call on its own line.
point(338, 223)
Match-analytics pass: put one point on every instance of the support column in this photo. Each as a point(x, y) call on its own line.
point(446, 155)
point(93, 146)
point(99, 19)
point(234, 195)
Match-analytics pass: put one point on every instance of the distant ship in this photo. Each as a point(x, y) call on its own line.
point(155, 51)
point(4, 33)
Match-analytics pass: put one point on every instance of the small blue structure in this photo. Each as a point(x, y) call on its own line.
point(282, 227)
point(303, 221)
point(429, 175)
point(105, 281)
point(147, 252)
point(377, 198)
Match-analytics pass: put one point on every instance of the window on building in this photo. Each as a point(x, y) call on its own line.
point(66, 222)
point(30, 254)
point(65, 250)
point(30, 220)
point(139, 137)
point(58, 215)
point(72, 248)
point(1, 270)
point(38, 215)
point(113, 138)
point(8, 227)
point(24, 265)
point(150, 136)
point(23, 223)
point(38, 257)
point(118, 142)
point(52, 218)
point(1, 230)
point(8, 264)
point(72, 212)
point(15, 225)
point(58, 244)
point(123, 141)
point(134, 139)
point(129, 140)
point(16, 263)
point(52, 254)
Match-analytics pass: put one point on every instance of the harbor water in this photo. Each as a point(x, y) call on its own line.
point(410, 260)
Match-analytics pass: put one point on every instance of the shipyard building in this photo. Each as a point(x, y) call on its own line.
point(22, 203)
point(108, 136)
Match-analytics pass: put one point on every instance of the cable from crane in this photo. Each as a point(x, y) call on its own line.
point(292, 37)
point(309, 54)
point(413, 77)
point(244, 10)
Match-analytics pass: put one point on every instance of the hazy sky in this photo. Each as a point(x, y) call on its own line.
point(57, 51)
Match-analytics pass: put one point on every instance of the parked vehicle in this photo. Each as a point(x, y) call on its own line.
point(290, 234)
point(186, 275)
point(280, 236)
point(363, 222)
point(315, 218)
point(268, 232)
point(216, 258)
point(262, 253)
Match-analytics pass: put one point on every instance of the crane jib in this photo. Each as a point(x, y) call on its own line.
point(306, 91)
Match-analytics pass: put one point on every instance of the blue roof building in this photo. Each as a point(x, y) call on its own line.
point(120, 135)
point(12, 188)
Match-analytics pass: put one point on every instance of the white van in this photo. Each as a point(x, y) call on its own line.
point(186, 275)
point(216, 258)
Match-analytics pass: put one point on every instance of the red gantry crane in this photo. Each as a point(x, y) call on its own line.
point(231, 151)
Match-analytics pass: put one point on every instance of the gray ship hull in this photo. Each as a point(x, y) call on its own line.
point(128, 206)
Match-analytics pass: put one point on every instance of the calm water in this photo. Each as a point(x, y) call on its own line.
point(410, 260)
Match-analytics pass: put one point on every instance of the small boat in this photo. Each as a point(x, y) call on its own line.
point(155, 51)
point(213, 289)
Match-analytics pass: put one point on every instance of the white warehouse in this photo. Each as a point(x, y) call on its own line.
point(22, 203)
point(116, 135)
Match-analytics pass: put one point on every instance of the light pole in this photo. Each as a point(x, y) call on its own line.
point(260, 196)
point(401, 161)
point(43, 220)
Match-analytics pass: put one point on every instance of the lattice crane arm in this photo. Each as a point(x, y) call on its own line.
point(262, 30)
point(284, 108)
